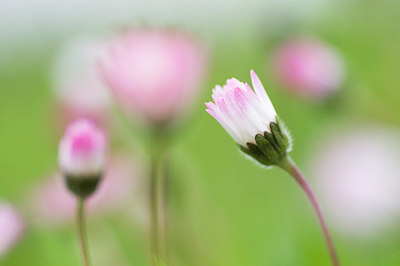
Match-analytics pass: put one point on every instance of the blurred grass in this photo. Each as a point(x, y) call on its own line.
point(225, 211)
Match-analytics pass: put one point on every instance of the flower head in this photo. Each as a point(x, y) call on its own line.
point(11, 227)
point(82, 150)
point(153, 74)
point(308, 67)
point(82, 154)
point(249, 117)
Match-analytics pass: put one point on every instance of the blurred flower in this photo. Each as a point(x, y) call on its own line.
point(154, 74)
point(53, 203)
point(308, 67)
point(358, 175)
point(78, 89)
point(249, 117)
point(82, 150)
point(12, 227)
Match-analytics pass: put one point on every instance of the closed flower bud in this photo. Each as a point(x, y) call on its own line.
point(82, 156)
point(249, 117)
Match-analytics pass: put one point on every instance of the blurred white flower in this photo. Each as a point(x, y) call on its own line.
point(357, 173)
point(77, 87)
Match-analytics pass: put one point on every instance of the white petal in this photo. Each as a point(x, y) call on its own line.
point(262, 95)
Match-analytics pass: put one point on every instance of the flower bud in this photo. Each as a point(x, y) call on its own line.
point(249, 117)
point(82, 156)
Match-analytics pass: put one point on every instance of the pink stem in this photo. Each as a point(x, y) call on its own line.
point(299, 177)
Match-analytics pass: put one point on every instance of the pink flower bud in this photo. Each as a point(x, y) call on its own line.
point(77, 87)
point(82, 150)
point(12, 227)
point(308, 67)
point(154, 74)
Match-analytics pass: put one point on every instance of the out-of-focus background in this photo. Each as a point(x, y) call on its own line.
point(224, 209)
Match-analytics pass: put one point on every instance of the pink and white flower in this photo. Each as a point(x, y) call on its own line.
point(78, 89)
point(308, 67)
point(12, 227)
point(154, 74)
point(82, 150)
point(242, 112)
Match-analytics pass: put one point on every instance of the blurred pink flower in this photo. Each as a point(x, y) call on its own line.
point(308, 67)
point(52, 202)
point(154, 74)
point(82, 149)
point(358, 175)
point(12, 227)
point(78, 89)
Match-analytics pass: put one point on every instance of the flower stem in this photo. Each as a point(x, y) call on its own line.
point(158, 210)
point(82, 232)
point(154, 233)
point(158, 195)
point(164, 187)
point(289, 166)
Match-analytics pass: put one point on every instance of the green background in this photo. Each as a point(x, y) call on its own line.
point(225, 210)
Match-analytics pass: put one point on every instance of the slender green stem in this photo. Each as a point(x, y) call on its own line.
point(154, 209)
point(82, 232)
point(164, 187)
point(289, 166)
point(158, 194)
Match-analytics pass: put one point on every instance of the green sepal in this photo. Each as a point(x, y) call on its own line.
point(82, 186)
point(253, 151)
point(284, 135)
point(267, 148)
point(268, 136)
point(271, 147)
point(280, 138)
